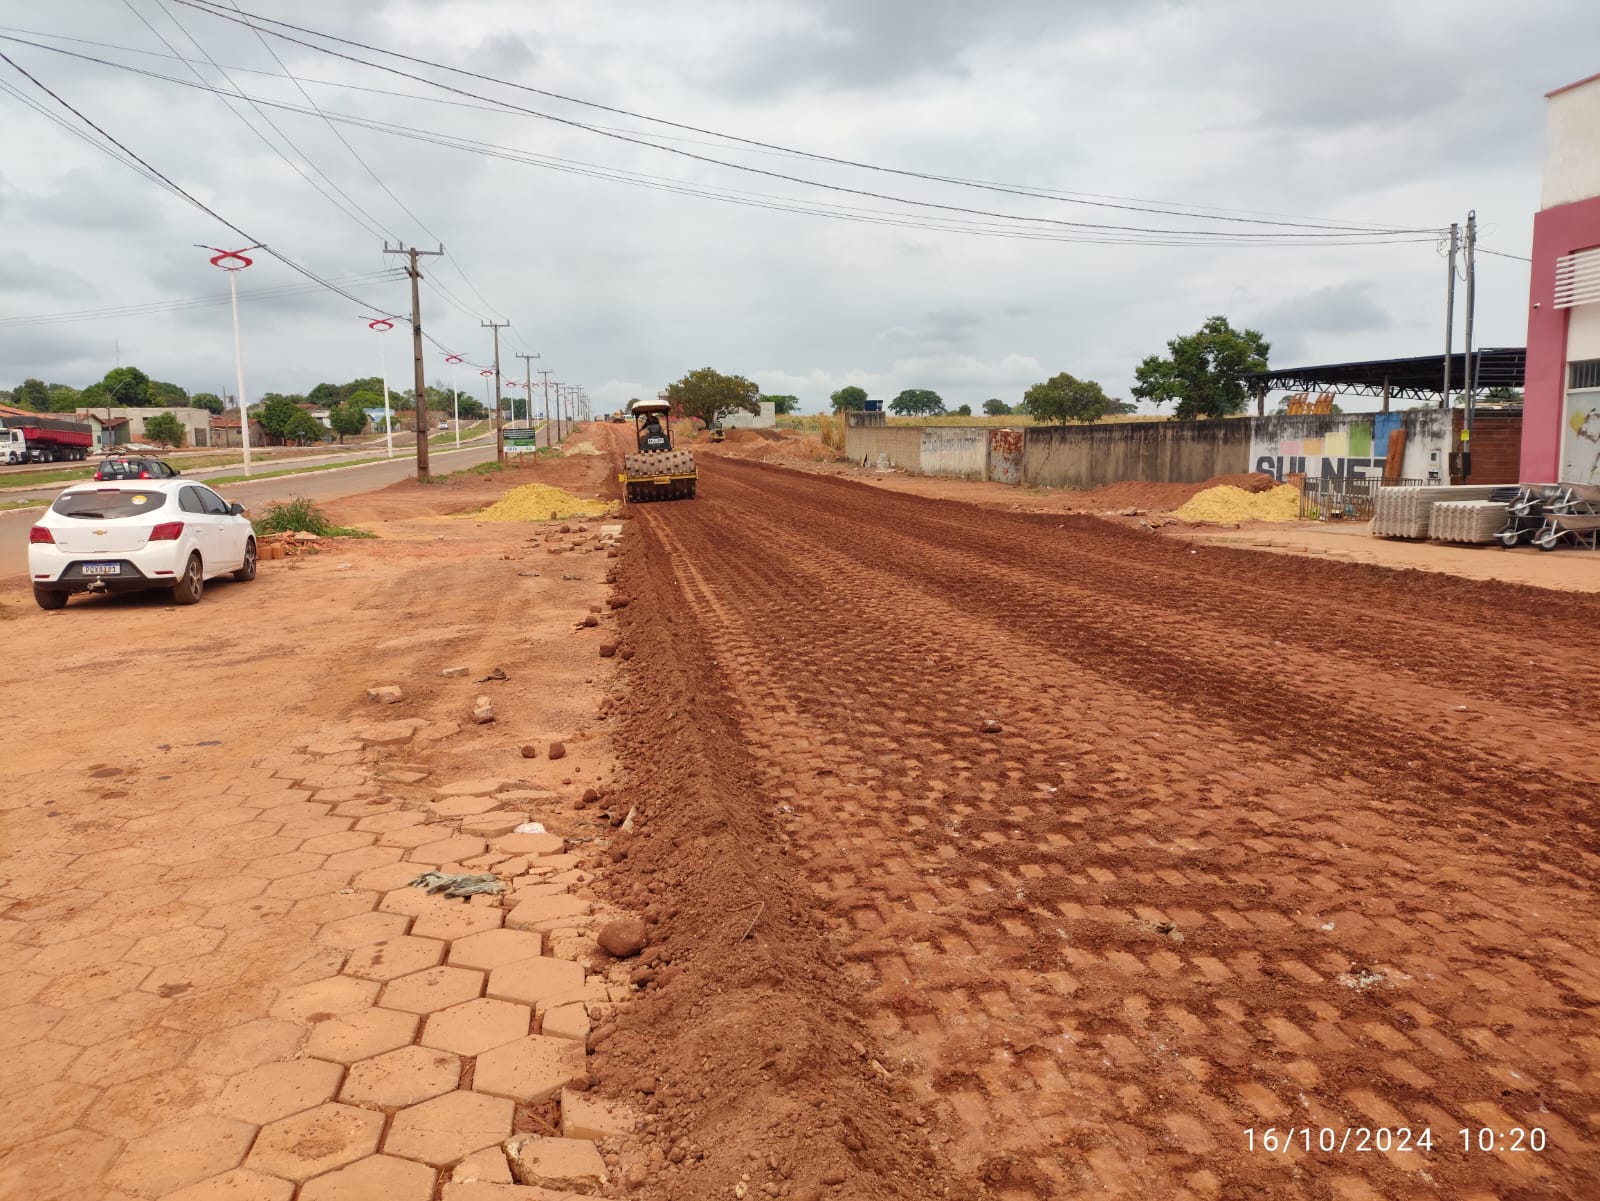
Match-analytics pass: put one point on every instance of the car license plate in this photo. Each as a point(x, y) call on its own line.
point(102, 569)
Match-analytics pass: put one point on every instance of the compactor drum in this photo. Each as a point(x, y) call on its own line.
point(656, 471)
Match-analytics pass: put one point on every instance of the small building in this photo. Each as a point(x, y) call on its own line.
point(225, 431)
point(113, 431)
point(196, 422)
point(1561, 404)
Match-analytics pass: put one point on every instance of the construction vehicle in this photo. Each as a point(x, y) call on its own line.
point(718, 434)
point(656, 471)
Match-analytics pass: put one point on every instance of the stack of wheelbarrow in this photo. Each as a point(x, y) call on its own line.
point(1552, 515)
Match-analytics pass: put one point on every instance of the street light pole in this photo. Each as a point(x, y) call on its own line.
point(455, 397)
point(382, 325)
point(220, 259)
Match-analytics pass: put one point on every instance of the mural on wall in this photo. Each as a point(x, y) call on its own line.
point(1582, 465)
point(1005, 456)
point(1338, 454)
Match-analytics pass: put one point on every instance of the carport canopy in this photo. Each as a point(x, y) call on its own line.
point(1421, 378)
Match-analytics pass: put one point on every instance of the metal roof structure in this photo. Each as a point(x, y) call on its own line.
point(1419, 378)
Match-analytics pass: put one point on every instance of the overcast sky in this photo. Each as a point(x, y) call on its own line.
point(1360, 113)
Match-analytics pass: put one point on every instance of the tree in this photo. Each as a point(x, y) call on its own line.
point(164, 428)
point(917, 402)
point(1500, 395)
point(472, 410)
point(303, 427)
point(995, 407)
point(849, 399)
point(277, 415)
point(964, 411)
point(784, 404)
point(1204, 371)
point(32, 394)
point(64, 399)
point(1121, 408)
point(708, 395)
point(1065, 398)
point(168, 396)
point(127, 387)
point(349, 418)
point(209, 401)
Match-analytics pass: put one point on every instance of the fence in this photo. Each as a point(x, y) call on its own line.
point(1327, 498)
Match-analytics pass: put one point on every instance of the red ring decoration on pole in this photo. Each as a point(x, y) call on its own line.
point(485, 371)
point(381, 324)
point(452, 358)
point(221, 255)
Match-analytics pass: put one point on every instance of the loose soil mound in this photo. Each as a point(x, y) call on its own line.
point(541, 502)
point(1141, 494)
point(743, 436)
point(1228, 504)
point(582, 448)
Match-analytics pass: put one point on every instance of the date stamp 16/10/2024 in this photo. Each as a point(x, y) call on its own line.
point(1355, 1140)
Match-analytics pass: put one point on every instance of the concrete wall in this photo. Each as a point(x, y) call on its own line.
point(869, 437)
point(1350, 445)
point(1005, 456)
point(196, 422)
point(1179, 452)
point(1572, 126)
point(961, 452)
point(765, 420)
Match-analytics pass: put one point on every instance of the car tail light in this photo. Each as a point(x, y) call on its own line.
point(144, 475)
point(167, 531)
point(40, 534)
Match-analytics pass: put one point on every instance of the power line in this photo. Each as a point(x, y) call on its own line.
point(206, 6)
point(182, 304)
point(1092, 199)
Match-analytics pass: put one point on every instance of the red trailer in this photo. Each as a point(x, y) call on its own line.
point(37, 439)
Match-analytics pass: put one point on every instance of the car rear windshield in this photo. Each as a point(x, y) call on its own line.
point(106, 503)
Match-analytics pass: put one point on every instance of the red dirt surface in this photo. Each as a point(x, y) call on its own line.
point(1262, 842)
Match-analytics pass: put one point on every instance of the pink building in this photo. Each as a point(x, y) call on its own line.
point(1561, 409)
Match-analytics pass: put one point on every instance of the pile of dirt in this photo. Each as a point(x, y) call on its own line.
point(541, 502)
point(582, 448)
point(1140, 494)
point(1229, 504)
point(743, 436)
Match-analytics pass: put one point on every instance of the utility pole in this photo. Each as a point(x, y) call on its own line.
point(546, 376)
point(420, 412)
point(1450, 311)
point(499, 410)
point(527, 386)
point(1471, 382)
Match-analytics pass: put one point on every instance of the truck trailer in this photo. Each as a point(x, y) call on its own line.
point(41, 439)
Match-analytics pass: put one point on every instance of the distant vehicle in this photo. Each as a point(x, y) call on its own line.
point(619, 417)
point(124, 467)
point(444, 425)
point(718, 434)
point(43, 440)
point(130, 535)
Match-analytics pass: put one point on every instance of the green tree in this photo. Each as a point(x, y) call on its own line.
point(849, 399)
point(64, 399)
point(709, 395)
point(917, 402)
point(277, 415)
point(127, 387)
point(349, 418)
point(1203, 371)
point(964, 411)
point(1121, 408)
point(1065, 398)
point(473, 410)
point(303, 427)
point(164, 428)
point(995, 407)
point(784, 404)
point(168, 396)
point(32, 394)
point(209, 401)
point(1500, 395)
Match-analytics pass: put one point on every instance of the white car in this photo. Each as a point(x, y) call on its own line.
point(129, 535)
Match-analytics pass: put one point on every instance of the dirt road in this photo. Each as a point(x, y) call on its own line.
point(1258, 844)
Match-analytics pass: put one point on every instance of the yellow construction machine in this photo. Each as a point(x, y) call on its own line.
point(656, 471)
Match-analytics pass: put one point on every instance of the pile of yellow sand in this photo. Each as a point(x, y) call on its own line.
point(1227, 504)
point(581, 448)
point(541, 502)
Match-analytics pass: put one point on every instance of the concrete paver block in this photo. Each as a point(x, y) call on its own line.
point(492, 824)
point(241, 1184)
point(531, 1069)
point(316, 1141)
point(476, 1026)
point(547, 912)
point(183, 1153)
point(458, 922)
point(450, 1127)
point(488, 1166)
point(405, 1076)
point(361, 1035)
point(464, 806)
point(329, 998)
point(400, 898)
point(447, 850)
point(242, 1047)
point(482, 1190)
point(431, 990)
point(278, 1090)
point(533, 980)
point(530, 844)
point(479, 787)
point(395, 957)
point(361, 929)
point(376, 1178)
point(584, 1115)
point(557, 1163)
point(494, 948)
point(566, 1021)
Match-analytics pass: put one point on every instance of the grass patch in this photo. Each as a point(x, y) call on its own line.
point(6, 505)
point(267, 475)
point(303, 515)
point(492, 467)
point(448, 438)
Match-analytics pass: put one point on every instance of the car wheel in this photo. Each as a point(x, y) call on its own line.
point(49, 598)
point(248, 572)
point(187, 590)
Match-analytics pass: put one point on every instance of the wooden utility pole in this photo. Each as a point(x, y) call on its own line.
point(527, 386)
point(499, 409)
point(420, 386)
point(546, 376)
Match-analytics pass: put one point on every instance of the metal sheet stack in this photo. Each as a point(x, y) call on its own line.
point(1466, 520)
point(1405, 512)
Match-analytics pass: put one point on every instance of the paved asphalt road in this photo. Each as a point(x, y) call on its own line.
point(322, 485)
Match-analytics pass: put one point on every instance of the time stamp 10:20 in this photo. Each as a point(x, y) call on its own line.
point(1336, 1140)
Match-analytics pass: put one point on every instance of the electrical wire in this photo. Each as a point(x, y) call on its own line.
point(1347, 232)
point(241, 16)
